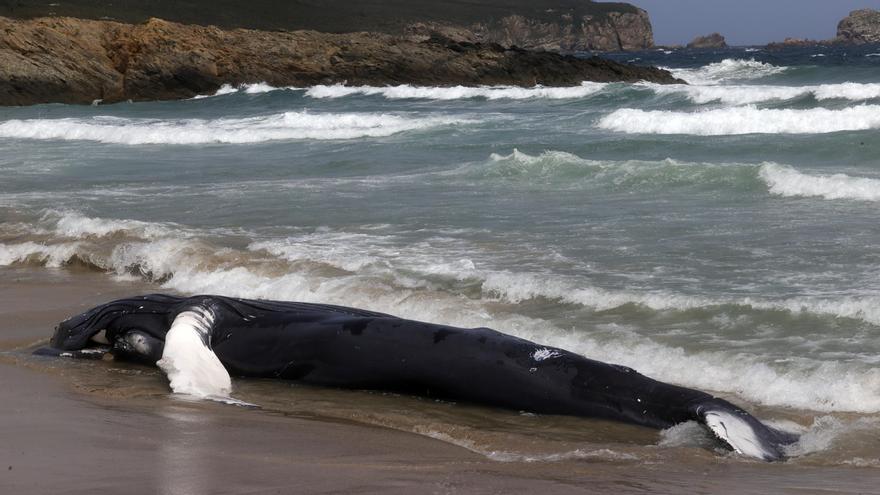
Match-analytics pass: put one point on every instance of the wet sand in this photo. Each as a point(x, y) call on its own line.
point(122, 431)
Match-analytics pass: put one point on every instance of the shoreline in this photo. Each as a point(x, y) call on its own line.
point(70, 420)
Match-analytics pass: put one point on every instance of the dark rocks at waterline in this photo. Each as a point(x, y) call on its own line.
point(797, 42)
point(69, 60)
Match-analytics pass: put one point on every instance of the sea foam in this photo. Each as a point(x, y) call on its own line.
point(743, 120)
point(728, 70)
point(284, 126)
point(750, 94)
point(249, 88)
point(406, 91)
point(700, 92)
point(191, 265)
point(786, 181)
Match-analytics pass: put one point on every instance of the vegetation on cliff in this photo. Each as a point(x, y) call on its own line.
point(549, 24)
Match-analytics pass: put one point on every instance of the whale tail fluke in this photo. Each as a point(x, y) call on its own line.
point(743, 432)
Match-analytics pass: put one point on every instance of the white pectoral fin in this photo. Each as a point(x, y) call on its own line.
point(191, 365)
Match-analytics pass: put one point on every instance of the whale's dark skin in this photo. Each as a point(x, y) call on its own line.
point(346, 347)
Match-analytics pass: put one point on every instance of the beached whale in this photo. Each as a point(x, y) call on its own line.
point(199, 341)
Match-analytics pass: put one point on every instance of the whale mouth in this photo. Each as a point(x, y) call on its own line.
point(102, 324)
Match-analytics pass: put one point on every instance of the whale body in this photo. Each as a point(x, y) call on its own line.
point(199, 341)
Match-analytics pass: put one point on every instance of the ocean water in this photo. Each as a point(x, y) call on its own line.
point(721, 235)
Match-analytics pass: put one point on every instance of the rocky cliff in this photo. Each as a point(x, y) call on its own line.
point(615, 31)
point(860, 27)
point(77, 61)
point(535, 24)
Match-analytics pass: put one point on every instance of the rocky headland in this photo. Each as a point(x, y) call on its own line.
point(69, 60)
point(557, 25)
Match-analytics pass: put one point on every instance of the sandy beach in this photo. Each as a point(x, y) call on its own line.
point(77, 427)
point(618, 264)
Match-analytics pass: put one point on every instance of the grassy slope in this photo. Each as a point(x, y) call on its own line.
point(321, 15)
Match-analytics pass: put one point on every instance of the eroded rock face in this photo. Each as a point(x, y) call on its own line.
point(614, 31)
point(534, 24)
point(78, 61)
point(860, 27)
point(714, 40)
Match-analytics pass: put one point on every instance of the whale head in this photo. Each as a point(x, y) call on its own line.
point(149, 315)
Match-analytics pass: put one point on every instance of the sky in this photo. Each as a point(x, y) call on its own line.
point(747, 22)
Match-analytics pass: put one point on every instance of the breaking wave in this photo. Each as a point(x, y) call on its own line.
point(728, 70)
point(566, 170)
point(743, 120)
point(303, 268)
point(750, 94)
point(786, 181)
point(730, 94)
point(251, 89)
point(780, 180)
point(284, 126)
point(407, 91)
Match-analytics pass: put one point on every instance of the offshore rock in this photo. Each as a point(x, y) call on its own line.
point(70, 60)
point(796, 42)
point(714, 40)
point(860, 27)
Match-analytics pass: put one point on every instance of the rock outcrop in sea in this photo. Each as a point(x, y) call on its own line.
point(860, 27)
point(714, 40)
point(70, 60)
point(556, 25)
